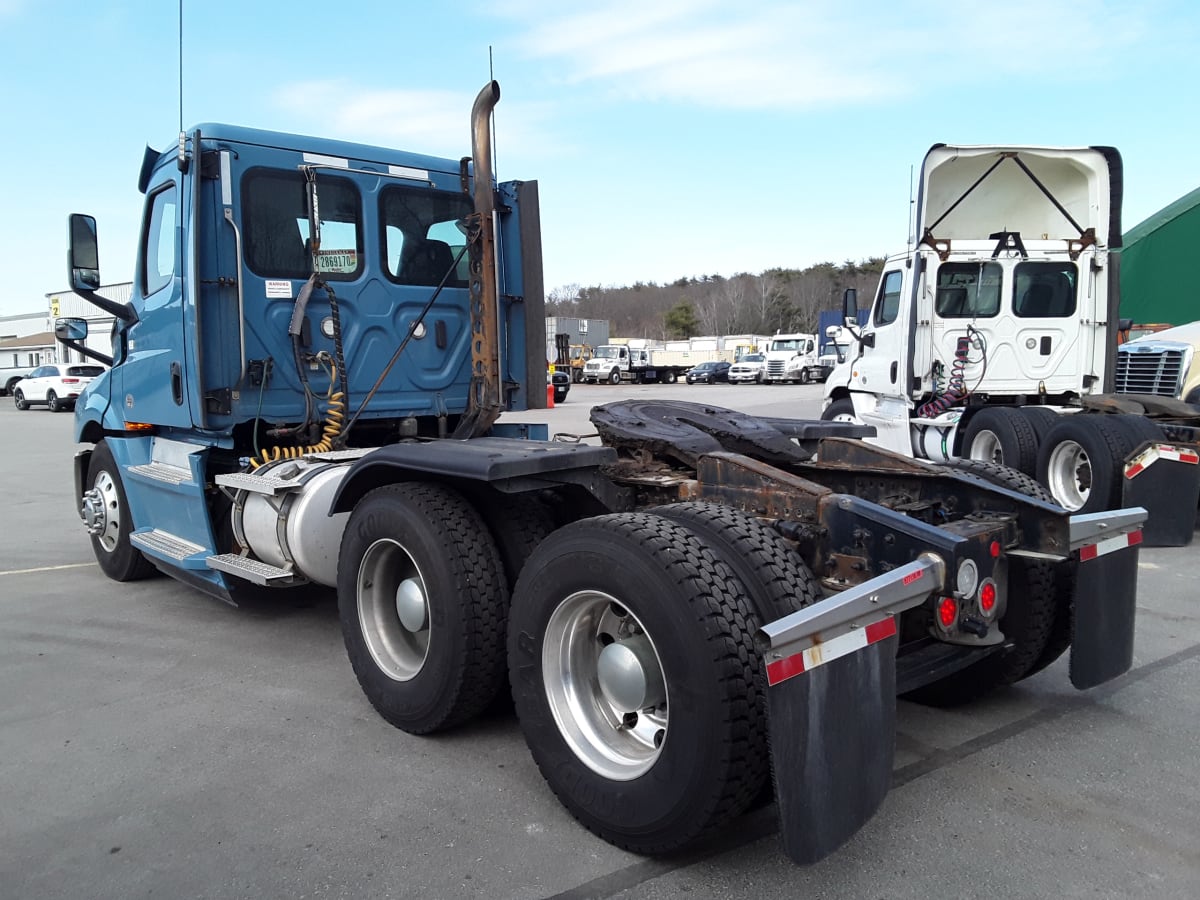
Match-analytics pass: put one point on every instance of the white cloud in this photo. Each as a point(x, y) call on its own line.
point(433, 121)
point(794, 55)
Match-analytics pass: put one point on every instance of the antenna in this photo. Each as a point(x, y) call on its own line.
point(912, 221)
point(181, 65)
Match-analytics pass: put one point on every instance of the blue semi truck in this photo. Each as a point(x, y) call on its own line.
point(304, 390)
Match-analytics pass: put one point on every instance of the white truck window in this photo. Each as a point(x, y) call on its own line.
point(968, 290)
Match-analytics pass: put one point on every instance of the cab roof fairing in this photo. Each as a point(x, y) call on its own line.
point(1086, 181)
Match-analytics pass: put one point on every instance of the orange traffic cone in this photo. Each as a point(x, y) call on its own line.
point(549, 396)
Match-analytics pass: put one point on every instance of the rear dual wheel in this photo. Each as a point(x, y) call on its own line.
point(1082, 458)
point(423, 604)
point(636, 678)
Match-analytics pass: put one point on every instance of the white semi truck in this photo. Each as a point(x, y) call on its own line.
point(792, 357)
point(997, 327)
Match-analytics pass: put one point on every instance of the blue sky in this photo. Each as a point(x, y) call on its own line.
point(669, 138)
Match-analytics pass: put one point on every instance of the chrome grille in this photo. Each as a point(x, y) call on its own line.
point(1151, 368)
point(775, 367)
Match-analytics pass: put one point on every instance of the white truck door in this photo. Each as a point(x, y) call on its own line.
point(880, 377)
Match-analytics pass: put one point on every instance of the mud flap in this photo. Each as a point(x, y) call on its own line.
point(1165, 479)
point(1105, 594)
point(1105, 601)
point(832, 737)
point(831, 705)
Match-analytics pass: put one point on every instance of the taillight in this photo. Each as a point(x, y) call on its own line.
point(70, 381)
point(947, 612)
point(987, 598)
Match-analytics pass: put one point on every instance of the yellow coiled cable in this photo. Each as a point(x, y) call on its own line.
point(335, 415)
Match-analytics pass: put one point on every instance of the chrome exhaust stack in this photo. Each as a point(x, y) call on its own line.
point(483, 398)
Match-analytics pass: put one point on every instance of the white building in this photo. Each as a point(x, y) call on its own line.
point(68, 304)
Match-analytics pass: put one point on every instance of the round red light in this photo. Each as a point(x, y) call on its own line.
point(987, 598)
point(995, 549)
point(947, 611)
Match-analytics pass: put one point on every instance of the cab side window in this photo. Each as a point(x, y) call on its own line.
point(158, 241)
point(887, 305)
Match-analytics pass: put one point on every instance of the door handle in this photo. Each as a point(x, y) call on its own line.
point(895, 366)
point(177, 383)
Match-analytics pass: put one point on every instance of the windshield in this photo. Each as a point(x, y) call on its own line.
point(608, 352)
point(792, 344)
point(752, 357)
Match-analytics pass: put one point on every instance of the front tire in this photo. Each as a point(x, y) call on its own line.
point(804, 376)
point(106, 511)
point(614, 377)
point(19, 399)
point(423, 606)
point(636, 681)
point(840, 411)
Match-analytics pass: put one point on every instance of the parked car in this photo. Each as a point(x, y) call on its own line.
point(56, 385)
point(562, 384)
point(708, 373)
point(749, 368)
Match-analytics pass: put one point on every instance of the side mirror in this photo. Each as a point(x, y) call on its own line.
point(71, 329)
point(83, 253)
point(850, 306)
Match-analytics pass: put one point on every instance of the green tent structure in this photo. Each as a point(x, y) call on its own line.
point(1158, 280)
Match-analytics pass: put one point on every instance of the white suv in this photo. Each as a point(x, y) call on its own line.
point(56, 385)
point(749, 368)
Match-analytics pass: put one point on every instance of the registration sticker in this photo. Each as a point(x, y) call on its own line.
point(342, 262)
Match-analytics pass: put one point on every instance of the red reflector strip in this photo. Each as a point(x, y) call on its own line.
point(1157, 452)
point(1110, 545)
point(915, 576)
point(819, 654)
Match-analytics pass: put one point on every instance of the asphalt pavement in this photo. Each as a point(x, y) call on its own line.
point(157, 743)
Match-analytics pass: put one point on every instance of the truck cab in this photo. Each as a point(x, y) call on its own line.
point(295, 295)
point(792, 357)
point(1005, 297)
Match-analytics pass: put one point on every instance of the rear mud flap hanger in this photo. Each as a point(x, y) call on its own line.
point(831, 674)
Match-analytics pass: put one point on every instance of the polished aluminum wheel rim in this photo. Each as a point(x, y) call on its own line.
point(986, 447)
point(393, 609)
point(102, 511)
point(1069, 475)
point(605, 685)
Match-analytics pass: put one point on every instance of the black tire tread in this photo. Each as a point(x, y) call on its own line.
point(777, 581)
point(478, 573)
point(711, 591)
point(1013, 429)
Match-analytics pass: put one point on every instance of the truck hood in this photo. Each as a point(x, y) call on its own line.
point(1185, 334)
point(998, 194)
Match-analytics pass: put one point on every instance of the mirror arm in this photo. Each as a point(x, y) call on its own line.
point(122, 311)
point(88, 351)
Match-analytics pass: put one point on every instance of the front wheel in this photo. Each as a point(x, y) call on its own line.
point(423, 602)
point(840, 411)
point(635, 678)
point(106, 514)
point(614, 377)
point(19, 399)
point(805, 378)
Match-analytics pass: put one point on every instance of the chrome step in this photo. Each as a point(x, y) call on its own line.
point(164, 544)
point(253, 570)
point(257, 484)
point(159, 471)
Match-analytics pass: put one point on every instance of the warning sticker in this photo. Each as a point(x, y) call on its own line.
point(341, 262)
point(279, 289)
